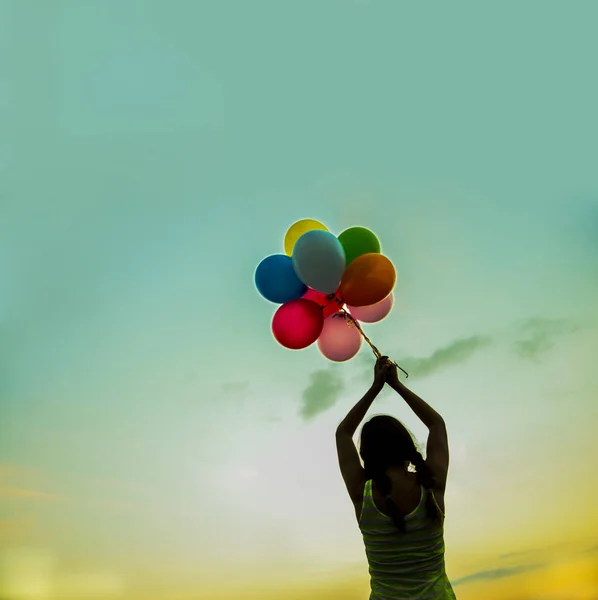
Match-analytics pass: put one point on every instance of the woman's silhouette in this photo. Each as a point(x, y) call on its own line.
point(400, 512)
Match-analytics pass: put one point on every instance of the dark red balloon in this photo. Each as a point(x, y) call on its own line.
point(297, 324)
point(329, 305)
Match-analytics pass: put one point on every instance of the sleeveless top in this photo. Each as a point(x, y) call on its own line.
point(404, 566)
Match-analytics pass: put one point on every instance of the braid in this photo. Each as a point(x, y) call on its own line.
point(384, 484)
point(386, 442)
point(427, 481)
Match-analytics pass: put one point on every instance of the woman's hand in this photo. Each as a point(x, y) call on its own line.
point(380, 372)
point(392, 375)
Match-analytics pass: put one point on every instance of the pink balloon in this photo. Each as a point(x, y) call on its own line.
point(340, 340)
point(297, 324)
point(374, 312)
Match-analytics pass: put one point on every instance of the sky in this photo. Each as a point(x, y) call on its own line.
point(156, 443)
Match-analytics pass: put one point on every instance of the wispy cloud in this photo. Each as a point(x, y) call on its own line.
point(8, 493)
point(590, 550)
point(535, 551)
point(18, 530)
point(323, 391)
point(23, 483)
point(510, 555)
point(538, 335)
point(235, 387)
point(494, 574)
point(326, 386)
point(16, 525)
point(273, 419)
point(455, 353)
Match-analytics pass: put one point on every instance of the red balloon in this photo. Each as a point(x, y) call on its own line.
point(329, 305)
point(297, 324)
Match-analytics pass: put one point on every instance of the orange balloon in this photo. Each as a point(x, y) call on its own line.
point(368, 280)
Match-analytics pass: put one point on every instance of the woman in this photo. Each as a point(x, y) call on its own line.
point(400, 512)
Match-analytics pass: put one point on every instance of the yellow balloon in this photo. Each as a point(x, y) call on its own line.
point(297, 230)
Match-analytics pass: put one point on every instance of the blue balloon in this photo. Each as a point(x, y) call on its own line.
point(276, 280)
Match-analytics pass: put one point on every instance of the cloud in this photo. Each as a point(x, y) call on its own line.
point(273, 419)
point(16, 525)
point(455, 353)
point(323, 391)
point(235, 387)
point(535, 551)
point(23, 483)
point(364, 362)
point(519, 554)
point(325, 386)
point(11, 470)
point(8, 493)
point(539, 335)
point(493, 574)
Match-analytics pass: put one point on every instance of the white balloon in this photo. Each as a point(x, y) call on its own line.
point(319, 260)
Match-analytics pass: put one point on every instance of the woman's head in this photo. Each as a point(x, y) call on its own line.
point(386, 442)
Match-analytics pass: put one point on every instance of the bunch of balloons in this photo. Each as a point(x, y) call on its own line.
point(326, 285)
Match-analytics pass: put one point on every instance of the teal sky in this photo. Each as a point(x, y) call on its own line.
point(151, 154)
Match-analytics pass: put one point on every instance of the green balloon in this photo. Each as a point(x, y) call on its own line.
point(357, 241)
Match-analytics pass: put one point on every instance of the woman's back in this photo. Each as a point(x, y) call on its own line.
point(403, 565)
point(400, 514)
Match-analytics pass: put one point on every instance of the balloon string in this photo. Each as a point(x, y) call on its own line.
point(365, 337)
point(375, 350)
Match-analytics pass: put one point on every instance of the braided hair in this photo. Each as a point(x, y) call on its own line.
point(386, 442)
